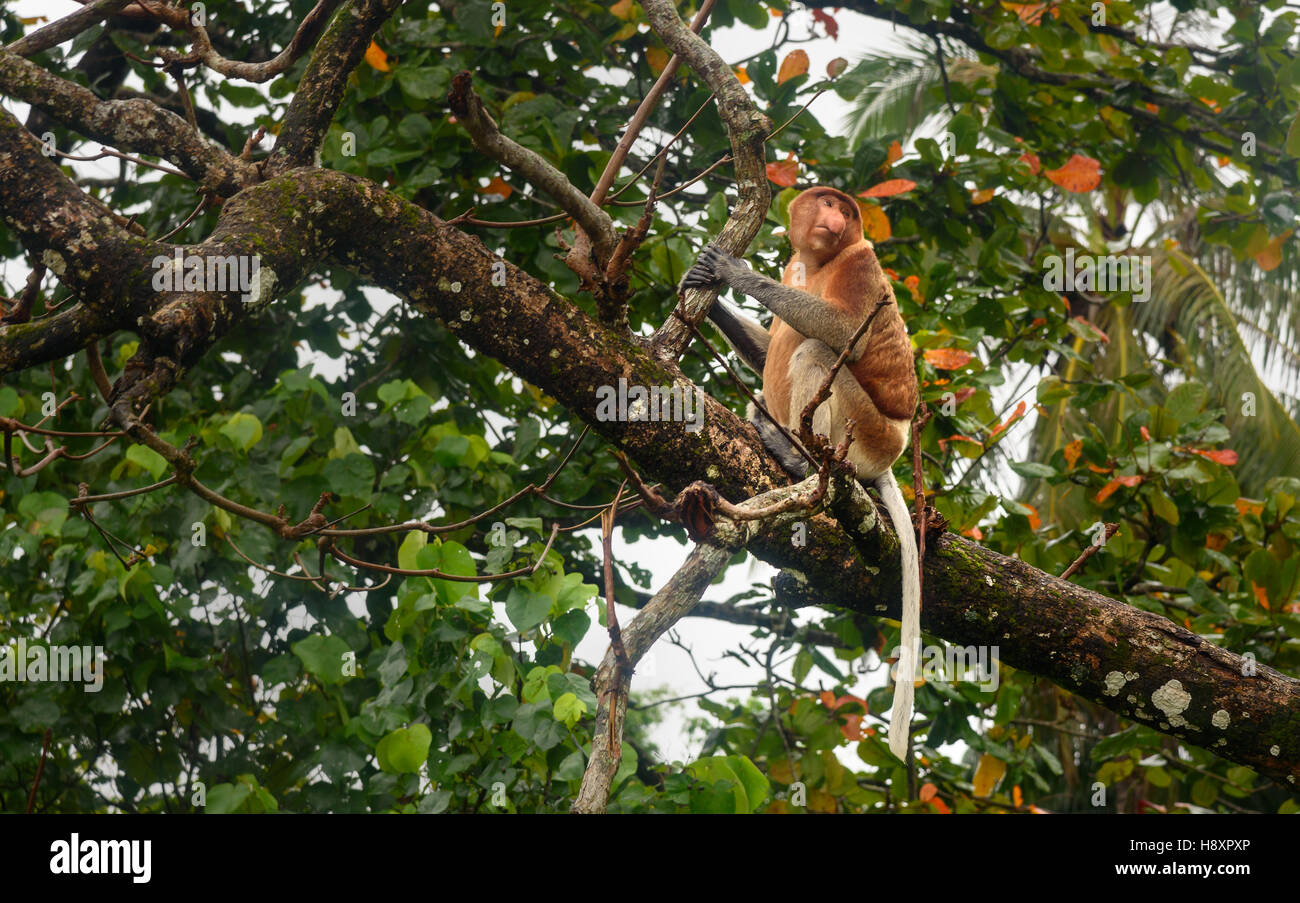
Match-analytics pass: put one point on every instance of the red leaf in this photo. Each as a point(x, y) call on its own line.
point(832, 27)
point(784, 173)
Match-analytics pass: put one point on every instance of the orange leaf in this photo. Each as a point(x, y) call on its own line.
point(376, 57)
point(1034, 520)
point(927, 792)
point(1261, 594)
point(874, 222)
point(1031, 13)
point(957, 437)
point(1034, 163)
point(947, 358)
point(1146, 434)
point(983, 196)
point(1246, 506)
point(1095, 469)
point(784, 173)
point(894, 154)
point(939, 806)
point(974, 533)
point(1079, 174)
point(1017, 798)
point(1151, 108)
point(497, 186)
point(1072, 452)
point(913, 284)
point(1109, 489)
point(657, 57)
point(1269, 258)
point(1225, 456)
point(741, 75)
point(623, 9)
point(832, 27)
point(888, 189)
point(794, 65)
point(1019, 412)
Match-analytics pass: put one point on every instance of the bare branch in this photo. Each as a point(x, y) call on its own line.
point(470, 112)
point(66, 28)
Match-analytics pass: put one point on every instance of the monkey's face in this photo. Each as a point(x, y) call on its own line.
point(824, 221)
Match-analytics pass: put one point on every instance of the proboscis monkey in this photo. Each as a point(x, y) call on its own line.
point(830, 286)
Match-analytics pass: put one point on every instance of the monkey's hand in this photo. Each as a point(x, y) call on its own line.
point(714, 268)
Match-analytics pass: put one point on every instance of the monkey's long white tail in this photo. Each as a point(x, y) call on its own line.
point(900, 715)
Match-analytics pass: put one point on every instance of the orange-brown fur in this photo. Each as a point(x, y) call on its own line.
point(846, 274)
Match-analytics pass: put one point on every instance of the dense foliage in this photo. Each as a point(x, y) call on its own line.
point(1054, 411)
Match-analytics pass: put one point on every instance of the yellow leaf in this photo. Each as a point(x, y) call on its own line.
point(1271, 257)
point(983, 196)
point(1072, 452)
point(874, 222)
point(794, 65)
point(657, 57)
point(376, 57)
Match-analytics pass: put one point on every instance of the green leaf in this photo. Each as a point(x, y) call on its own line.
point(322, 656)
point(568, 709)
point(351, 475)
point(404, 750)
point(526, 609)
point(46, 510)
point(571, 626)
point(148, 460)
point(244, 430)
point(1293, 138)
point(223, 799)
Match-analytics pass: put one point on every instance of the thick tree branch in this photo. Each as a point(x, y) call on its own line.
point(324, 83)
point(748, 130)
point(470, 112)
point(66, 28)
point(135, 126)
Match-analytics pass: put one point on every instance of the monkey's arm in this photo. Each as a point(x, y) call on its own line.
point(808, 314)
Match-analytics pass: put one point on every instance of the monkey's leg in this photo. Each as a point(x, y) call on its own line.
point(809, 365)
